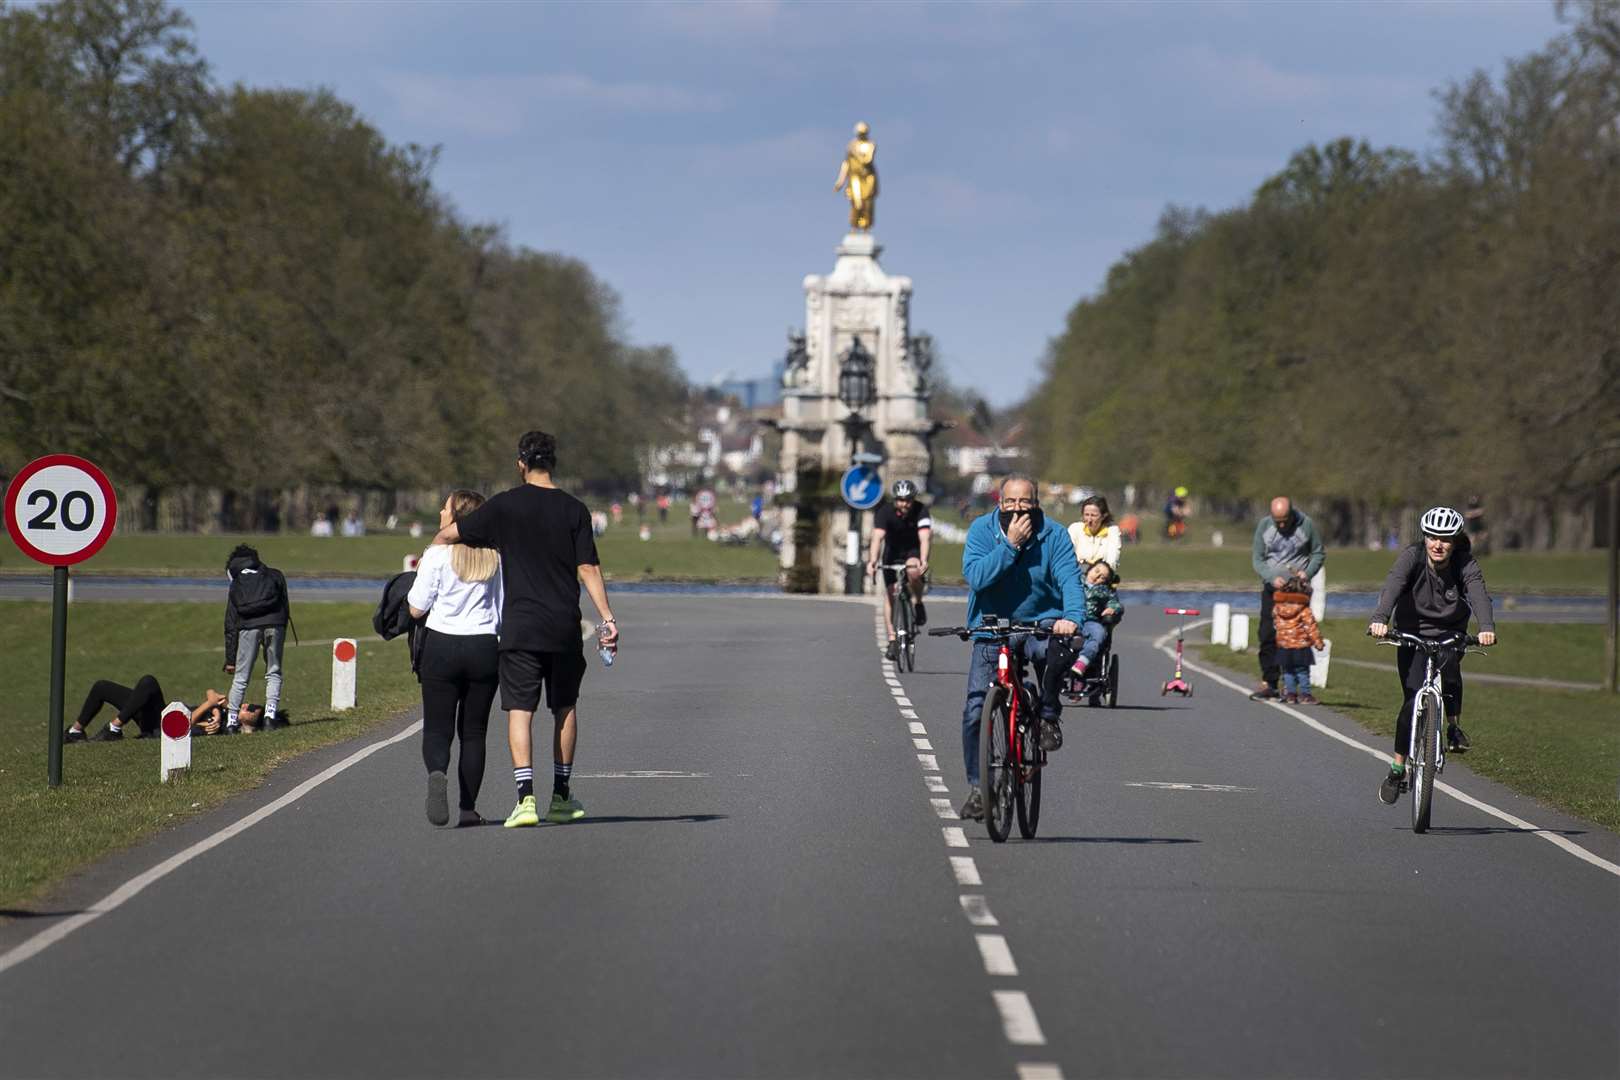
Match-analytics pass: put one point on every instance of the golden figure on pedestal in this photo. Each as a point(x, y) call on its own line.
point(859, 172)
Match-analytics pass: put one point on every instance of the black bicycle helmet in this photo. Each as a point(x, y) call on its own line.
point(904, 489)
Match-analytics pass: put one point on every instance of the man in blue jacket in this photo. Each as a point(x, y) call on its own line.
point(1018, 566)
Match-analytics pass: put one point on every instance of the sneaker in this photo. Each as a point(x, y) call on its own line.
point(1079, 668)
point(1390, 790)
point(564, 810)
point(1290, 699)
point(70, 735)
point(1265, 692)
point(108, 734)
point(1308, 698)
point(973, 807)
point(1051, 735)
point(892, 651)
point(919, 613)
point(438, 806)
point(1457, 740)
point(524, 813)
point(469, 819)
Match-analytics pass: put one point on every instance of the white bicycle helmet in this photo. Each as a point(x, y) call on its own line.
point(1442, 522)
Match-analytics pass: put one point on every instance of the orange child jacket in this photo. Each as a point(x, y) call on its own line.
point(1296, 626)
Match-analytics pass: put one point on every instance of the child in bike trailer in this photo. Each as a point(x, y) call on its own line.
point(1103, 611)
point(1433, 588)
point(1297, 635)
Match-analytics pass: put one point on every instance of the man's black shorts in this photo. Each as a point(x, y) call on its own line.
point(523, 671)
point(898, 557)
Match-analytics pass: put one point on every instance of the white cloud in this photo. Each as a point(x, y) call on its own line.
point(1248, 79)
point(496, 105)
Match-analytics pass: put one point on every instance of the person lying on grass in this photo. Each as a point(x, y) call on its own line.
point(143, 703)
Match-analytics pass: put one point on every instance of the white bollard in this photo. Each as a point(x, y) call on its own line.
point(409, 562)
point(344, 653)
point(1217, 539)
point(175, 753)
point(1319, 664)
point(1319, 594)
point(1220, 624)
point(1239, 636)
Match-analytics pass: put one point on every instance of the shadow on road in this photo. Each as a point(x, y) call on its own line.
point(1144, 840)
point(1487, 830)
point(1105, 709)
point(20, 913)
point(696, 819)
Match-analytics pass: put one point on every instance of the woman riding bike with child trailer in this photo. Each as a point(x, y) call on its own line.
point(1427, 599)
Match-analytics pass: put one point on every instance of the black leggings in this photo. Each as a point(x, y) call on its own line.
point(142, 703)
point(460, 674)
point(1412, 667)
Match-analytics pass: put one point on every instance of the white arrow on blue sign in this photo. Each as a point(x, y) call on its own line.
point(862, 487)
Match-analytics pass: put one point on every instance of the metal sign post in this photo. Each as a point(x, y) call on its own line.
point(60, 510)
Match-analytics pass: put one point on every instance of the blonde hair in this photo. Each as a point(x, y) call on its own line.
point(470, 564)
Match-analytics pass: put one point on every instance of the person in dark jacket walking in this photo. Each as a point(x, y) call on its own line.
point(1286, 545)
point(256, 615)
point(1431, 591)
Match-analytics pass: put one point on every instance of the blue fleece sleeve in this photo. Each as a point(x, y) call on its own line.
point(1065, 568)
point(987, 555)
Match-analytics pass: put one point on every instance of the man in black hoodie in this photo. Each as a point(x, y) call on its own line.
point(1431, 591)
point(256, 616)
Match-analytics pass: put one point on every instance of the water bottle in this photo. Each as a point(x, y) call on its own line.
point(605, 651)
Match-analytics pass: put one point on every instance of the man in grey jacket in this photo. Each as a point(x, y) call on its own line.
point(1286, 545)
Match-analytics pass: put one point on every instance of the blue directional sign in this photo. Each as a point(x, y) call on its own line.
point(862, 487)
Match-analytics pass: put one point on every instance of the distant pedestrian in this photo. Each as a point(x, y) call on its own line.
point(1286, 545)
point(321, 526)
point(663, 509)
point(1294, 627)
point(352, 525)
point(547, 553)
point(458, 590)
point(1175, 514)
point(1095, 536)
point(257, 613)
point(1130, 529)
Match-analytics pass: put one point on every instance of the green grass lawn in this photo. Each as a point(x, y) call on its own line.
point(110, 795)
point(1559, 746)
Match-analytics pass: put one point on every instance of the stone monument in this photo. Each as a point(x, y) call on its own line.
point(857, 300)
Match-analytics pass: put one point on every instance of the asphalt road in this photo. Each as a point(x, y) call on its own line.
point(765, 888)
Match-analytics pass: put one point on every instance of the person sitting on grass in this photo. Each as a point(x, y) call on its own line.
point(144, 704)
point(1297, 635)
point(1103, 611)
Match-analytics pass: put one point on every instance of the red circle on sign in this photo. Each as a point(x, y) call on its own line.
point(14, 491)
point(344, 651)
point(176, 724)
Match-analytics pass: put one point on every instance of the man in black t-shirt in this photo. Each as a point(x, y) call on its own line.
point(547, 552)
point(902, 531)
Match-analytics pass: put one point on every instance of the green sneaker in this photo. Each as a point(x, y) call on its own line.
point(564, 810)
point(524, 813)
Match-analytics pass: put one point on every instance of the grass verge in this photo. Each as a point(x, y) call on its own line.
point(110, 795)
point(1559, 746)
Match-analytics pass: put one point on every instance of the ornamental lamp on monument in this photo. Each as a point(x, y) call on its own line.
point(857, 388)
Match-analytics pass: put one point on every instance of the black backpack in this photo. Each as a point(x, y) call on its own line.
point(254, 592)
point(393, 615)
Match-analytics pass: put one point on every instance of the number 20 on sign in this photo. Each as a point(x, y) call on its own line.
point(60, 510)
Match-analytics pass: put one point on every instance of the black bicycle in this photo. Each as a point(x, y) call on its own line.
point(902, 618)
point(1010, 754)
point(1426, 749)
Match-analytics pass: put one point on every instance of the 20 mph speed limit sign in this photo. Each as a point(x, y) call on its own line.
point(60, 509)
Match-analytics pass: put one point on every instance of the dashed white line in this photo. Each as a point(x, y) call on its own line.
point(909, 714)
point(1038, 1070)
point(954, 836)
point(942, 807)
point(1018, 1018)
point(916, 728)
point(966, 870)
point(929, 762)
point(977, 910)
point(903, 702)
point(898, 691)
point(922, 744)
point(936, 784)
point(998, 959)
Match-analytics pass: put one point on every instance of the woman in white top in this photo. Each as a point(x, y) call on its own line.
point(1096, 537)
point(458, 589)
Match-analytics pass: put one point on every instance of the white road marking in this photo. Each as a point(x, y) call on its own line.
point(936, 784)
point(133, 887)
point(943, 808)
point(1038, 1070)
point(977, 910)
point(922, 744)
point(1018, 1018)
point(892, 682)
point(909, 714)
point(916, 728)
point(954, 836)
point(967, 873)
point(642, 774)
point(929, 762)
point(904, 702)
point(1440, 785)
point(1167, 785)
point(898, 691)
point(998, 959)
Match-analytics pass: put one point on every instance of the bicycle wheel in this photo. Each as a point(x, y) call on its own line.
point(1422, 770)
point(996, 779)
point(1113, 681)
point(1028, 800)
point(904, 632)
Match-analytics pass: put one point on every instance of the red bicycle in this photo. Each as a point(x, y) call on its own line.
point(1010, 754)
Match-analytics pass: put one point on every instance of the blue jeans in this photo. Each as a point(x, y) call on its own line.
point(1094, 633)
point(982, 672)
point(1298, 681)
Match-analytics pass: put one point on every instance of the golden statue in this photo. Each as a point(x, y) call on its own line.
point(859, 171)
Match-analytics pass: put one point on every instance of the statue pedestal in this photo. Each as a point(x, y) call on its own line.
point(858, 299)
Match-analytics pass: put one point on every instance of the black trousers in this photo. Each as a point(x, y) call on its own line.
point(142, 703)
point(460, 674)
point(1412, 668)
point(1270, 669)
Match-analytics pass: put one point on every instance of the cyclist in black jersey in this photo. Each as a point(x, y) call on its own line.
point(902, 531)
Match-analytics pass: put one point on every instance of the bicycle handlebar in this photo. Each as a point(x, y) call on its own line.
point(1429, 645)
point(996, 630)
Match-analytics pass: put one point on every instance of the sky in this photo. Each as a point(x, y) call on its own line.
point(687, 152)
